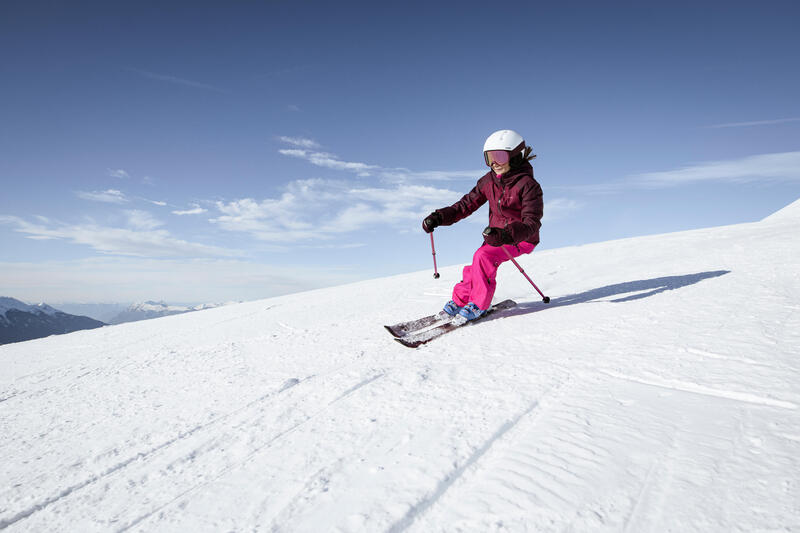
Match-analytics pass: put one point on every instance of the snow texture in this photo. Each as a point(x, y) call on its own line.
point(659, 391)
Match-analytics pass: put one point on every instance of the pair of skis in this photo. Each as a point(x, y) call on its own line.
point(415, 333)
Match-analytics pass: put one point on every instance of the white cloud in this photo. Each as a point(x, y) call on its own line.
point(142, 220)
point(777, 167)
point(300, 142)
point(111, 196)
point(769, 167)
point(195, 210)
point(126, 279)
point(118, 173)
point(322, 159)
point(754, 123)
point(176, 80)
point(405, 175)
point(306, 149)
point(271, 220)
point(141, 241)
point(321, 209)
point(404, 195)
point(560, 207)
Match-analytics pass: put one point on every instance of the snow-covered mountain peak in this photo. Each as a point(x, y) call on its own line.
point(155, 309)
point(7, 304)
point(156, 306)
point(46, 309)
point(21, 322)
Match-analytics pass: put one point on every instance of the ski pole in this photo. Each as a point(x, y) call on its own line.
point(433, 251)
point(545, 299)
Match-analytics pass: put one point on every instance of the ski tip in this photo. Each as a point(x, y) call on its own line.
point(392, 332)
point(407, 344)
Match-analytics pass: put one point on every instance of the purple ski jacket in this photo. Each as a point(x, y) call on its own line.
point(515, 203)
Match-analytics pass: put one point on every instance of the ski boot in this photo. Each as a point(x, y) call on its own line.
point(469, 312)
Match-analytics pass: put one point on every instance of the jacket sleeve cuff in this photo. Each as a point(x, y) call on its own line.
point(518, 231)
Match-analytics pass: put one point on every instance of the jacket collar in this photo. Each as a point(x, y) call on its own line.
point(514, 174)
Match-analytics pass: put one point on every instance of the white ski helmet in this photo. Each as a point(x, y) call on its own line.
point(508, 140)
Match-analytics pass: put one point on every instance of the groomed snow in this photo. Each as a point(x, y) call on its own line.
point(659, 391)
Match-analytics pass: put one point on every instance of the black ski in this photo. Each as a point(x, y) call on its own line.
point(401, 329)
point(416, 339)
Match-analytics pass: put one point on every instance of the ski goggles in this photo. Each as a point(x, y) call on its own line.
point(501, 157)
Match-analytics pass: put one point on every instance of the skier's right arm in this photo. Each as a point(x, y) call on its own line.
point(463, 208)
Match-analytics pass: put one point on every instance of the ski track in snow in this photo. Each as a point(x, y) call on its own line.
point(445, 483)
point(144, 455)
point(649, 396)
point(700, 389)
point(251, 454)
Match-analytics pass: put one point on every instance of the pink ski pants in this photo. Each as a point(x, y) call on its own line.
point(477, 283)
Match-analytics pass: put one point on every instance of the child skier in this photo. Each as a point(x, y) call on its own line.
point(515, 214)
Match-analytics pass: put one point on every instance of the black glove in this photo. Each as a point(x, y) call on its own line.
point(497, 236)
point(431, 221)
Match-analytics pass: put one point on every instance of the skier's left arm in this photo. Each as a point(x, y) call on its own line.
point(531, 214)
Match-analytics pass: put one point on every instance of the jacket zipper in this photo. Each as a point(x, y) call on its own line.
point(500, 206)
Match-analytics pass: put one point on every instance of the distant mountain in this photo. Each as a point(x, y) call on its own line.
point(150, 309)
point(104, 312)
point(22, 322)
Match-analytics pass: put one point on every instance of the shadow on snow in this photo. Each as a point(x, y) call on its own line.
point(632, 290)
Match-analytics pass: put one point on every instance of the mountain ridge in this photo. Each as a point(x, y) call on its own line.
point(22, 322)
point(151, 309)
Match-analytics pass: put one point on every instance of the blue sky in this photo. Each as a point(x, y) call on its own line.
point(210, 151)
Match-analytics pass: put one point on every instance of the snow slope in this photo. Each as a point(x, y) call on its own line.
point(659, 391)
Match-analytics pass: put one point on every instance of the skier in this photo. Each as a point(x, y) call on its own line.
point(515, 214)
